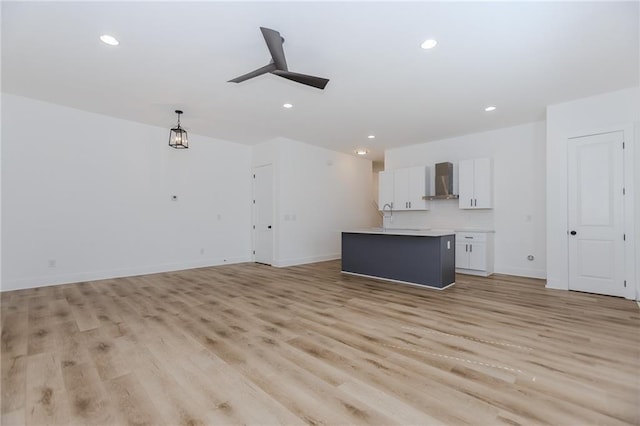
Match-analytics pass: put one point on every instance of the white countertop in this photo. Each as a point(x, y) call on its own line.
point(410, 232)
point(486, 231)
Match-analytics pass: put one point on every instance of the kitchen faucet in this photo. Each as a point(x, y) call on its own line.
point(390, 211)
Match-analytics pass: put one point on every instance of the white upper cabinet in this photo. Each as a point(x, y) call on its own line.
point(404, 188)
point(401, 189)
point(418, 187)
point(475, 179)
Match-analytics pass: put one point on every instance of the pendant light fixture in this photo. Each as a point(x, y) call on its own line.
point(178, 136)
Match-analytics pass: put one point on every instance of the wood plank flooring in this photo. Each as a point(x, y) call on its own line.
point(251, 344)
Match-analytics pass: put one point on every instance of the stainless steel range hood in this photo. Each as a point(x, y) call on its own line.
point(443, 183)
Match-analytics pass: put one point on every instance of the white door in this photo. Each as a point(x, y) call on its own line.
point(263, 214)
point(596, 221)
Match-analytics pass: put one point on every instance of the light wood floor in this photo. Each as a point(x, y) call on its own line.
point(250, 344)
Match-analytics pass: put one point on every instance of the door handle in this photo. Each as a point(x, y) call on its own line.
point(573, 232)
point(269, 227)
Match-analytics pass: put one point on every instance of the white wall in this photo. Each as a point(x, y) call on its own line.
point(94, 193)
point(518, 216)
point(377, 167)
point(618, 110)
point(318, 194)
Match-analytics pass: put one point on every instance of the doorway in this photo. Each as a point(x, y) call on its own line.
point(596, 214)
point(263, 214)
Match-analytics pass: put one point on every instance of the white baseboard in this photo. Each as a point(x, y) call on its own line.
point(557, 285)
point(304, 260)
point(47, 280)
point(522, 272)
point(473, 272)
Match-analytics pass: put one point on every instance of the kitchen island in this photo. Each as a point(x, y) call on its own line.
point(419, 257)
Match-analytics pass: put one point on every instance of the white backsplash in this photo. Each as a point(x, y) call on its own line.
point(443, 214)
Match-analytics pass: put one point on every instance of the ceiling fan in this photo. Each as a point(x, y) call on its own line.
point(278, 64)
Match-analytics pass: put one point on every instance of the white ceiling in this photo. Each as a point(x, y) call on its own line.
point(518, 56)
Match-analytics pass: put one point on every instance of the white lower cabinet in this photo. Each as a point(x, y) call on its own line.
point(474, 253)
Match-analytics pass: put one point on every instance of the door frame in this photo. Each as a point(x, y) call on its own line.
point(628, 201)
point(253, 212)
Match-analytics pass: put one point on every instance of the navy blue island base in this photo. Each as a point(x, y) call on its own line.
point(425, 258)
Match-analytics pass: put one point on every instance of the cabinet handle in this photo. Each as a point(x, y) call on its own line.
point(470, 248)
point(409, 204)
point(471, 202)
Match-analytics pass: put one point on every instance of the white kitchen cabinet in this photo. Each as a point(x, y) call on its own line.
point(401, 189)
point(404, 188)
point(475, 181)
point(418, 188)
point(474, 253)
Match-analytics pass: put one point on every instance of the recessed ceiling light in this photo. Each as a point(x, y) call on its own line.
point(110, 40)
point(429, 44)
point(287, 105)
point(371, 136)
point(490, 108)
point(362, 151)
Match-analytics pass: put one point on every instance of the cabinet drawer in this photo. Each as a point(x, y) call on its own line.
point(471, 236)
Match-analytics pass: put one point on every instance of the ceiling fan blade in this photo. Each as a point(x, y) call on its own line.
point(274, 43)
point(309, 80)
point(262, 70)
